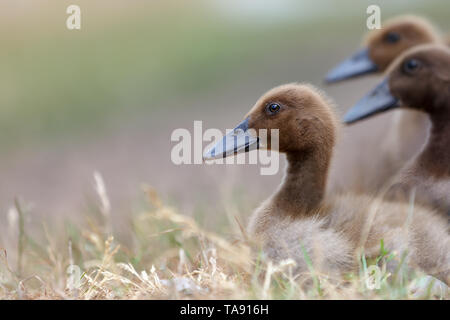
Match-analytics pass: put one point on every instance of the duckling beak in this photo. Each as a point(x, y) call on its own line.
point(378, 100)
point(237, 141)
point(358, 64)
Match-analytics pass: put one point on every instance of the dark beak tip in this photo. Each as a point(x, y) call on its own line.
point(347, 121)
point(357, 65)
point(333, 76)
point(208, 155)
point(328, 80)
point(377, 101)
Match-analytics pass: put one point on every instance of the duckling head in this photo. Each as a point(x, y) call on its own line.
point(301, 114)
point(419, 79)
point(383, 46)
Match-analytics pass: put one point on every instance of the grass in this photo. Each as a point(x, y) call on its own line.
point(171, 256)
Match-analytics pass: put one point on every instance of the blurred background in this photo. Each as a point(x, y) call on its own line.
point(107, 97)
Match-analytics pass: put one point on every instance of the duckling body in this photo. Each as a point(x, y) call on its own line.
point(408, 130)
point(419, 80)
point(332, 236)
point(428, 174)
point(407, 133)
point(298, 220)
point(427, 190)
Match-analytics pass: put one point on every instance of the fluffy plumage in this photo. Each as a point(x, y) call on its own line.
point(426, 90)
point(408, 130)
point(298, 217)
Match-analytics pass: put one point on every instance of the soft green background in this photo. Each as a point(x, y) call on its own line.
point(108, 96)
point(130, 59)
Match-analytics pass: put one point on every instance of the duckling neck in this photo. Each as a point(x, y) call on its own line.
point(304, 183)
point(435, 157)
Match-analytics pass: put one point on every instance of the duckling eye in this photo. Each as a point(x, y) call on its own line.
point(273, 108)
point(392, 37)
point(410, 66)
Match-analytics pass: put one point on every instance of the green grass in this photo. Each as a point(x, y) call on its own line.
point(165, 247)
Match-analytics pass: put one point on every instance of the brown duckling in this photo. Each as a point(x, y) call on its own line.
point(298, 220)
point(419, 79)
point(408, 129)
point(383, 46)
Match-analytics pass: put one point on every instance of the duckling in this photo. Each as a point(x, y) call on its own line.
point(408, 129)
point(419, 79)
point(299, 220)
point(382, 46)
